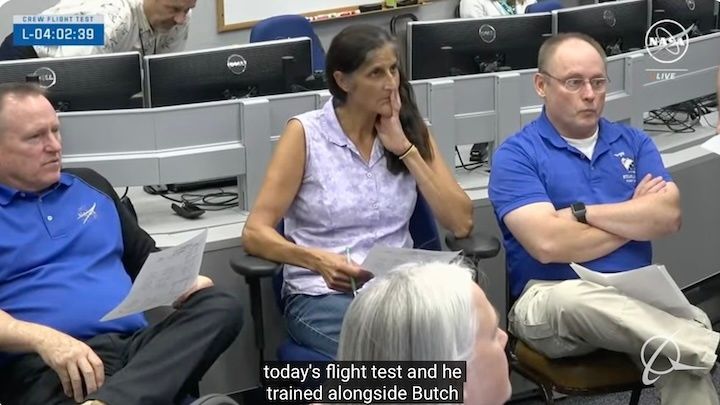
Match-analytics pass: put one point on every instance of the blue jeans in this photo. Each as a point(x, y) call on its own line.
point(315, 321)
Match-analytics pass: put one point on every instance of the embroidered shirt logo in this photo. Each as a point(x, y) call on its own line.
point(629, 164)
point(85, 214)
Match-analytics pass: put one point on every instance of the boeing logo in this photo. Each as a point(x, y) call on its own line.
point(674, 363)
point(237, 64)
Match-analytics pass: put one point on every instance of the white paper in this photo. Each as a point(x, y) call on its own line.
point(164, 277)
point(712, 144)
point(650, 284)
point(382, 259)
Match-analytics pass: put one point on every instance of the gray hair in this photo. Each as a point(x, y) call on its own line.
point(414, 313)
point(18, 89)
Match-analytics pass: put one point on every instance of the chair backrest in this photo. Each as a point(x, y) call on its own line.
point(543, 6)
point(290, 26)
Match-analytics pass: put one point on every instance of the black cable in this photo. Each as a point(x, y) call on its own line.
point(467, 166)
point(682, 117)
point(205, 201)
point(125, 193)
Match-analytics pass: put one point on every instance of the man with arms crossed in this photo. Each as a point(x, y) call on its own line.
point(574, 187)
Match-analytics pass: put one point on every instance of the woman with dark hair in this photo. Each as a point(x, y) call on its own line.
point(344, 178)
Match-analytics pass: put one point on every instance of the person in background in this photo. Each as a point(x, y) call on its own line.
point(146, 26)
point(492, 8)
point(430, 312)
point(345, 178)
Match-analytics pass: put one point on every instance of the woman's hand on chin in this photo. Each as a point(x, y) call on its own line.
point(389, 128)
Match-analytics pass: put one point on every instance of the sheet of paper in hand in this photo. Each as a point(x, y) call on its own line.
point(650, 284)
point(712, 144)
point(164, 277)
point(382, 259)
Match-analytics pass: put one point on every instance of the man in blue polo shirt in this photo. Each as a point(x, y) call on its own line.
point(574, 187)
point(69, 251)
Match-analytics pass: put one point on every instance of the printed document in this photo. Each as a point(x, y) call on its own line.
point(651, 284)
point(382, 259)
point(712, 144)
point(164, 277)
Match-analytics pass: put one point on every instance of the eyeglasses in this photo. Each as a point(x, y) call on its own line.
point(574, 84)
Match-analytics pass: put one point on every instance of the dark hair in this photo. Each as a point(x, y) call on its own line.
point(547, 49)
point(348, 51)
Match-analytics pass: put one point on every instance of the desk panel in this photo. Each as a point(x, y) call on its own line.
point(201, 163)
point(107, 131)
point(694, 74)
point(283, 107)
point(132, 169)
point(197, 124)
point(474, 94)
point(422, 94)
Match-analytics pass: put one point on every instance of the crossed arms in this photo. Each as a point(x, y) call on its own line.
point(551, 235)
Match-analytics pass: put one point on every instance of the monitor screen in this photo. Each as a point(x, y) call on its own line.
point(618, 26)
point(478, 45)
point(701, 13)
point(96, 82)
point(256, 69)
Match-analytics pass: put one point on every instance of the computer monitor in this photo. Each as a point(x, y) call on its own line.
point(256, 69)
point(700, 13)
point(96, 82)
point(479, 45)
point(618, 26)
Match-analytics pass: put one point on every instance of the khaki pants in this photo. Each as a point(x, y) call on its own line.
point(575, 317)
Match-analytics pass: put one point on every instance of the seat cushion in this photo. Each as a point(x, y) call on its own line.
point(600, 371)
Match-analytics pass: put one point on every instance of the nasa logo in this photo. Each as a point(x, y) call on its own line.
point(667, 41)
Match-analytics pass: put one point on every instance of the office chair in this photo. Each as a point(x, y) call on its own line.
point(10, 51)
point(543, 6)
point(290, 26)
point(425, 236)
point(596, 373)
point(398, 28)
point(602, 371)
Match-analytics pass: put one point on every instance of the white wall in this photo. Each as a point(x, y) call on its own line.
point(203, 31)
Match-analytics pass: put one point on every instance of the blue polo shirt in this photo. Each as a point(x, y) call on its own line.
point(538, 165)
point(61, 259)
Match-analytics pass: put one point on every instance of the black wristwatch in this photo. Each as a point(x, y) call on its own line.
point(579, 211)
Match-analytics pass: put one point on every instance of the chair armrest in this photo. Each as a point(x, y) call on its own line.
point(476, 246)
point(253, 269)
point(247, 265)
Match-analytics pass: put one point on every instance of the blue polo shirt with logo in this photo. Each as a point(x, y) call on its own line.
point(538, 165)
point(61, 259)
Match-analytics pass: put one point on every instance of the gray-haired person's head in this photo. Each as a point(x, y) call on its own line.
point(415, 312)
